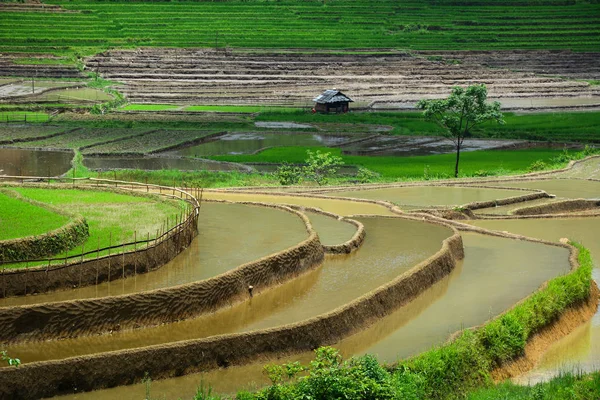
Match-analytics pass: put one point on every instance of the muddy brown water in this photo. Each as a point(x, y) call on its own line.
point(453, 303)
point(330, 230)
point(21, 162)
point(250, 142)
point(428, 196)
point(510, 208)
point(563, 188)
point(222, 227)
point(393, 246)
point(340, 207)
point(158, 163)
point(580, 350)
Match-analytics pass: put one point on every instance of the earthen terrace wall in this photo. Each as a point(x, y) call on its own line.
point(96, 315)
point(161, 361)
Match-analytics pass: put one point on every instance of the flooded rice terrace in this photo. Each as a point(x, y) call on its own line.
point(20, 162)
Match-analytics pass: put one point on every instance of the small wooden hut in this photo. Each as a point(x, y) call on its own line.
point(332, 100)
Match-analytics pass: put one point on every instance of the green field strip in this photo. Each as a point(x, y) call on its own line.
point(19, 218)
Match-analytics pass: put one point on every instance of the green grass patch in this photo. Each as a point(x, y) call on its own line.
point(112, 218)
point(23, 116)
point(241, 109)
point(42, 61)
point(473, 163)
point(19, 219)
point(149, 107)
point(566, 386)
point(204, 179)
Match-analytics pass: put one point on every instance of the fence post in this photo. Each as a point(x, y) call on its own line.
point(3, 280)
point(109, 246)
point(47, 272)
point(97, 257)
point(26, 268)
point(81, 263)
point(134, 253)
point(123, 259)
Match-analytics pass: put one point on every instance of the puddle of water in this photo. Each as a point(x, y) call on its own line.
point(221, 228)
point(392, 247)
point(564, 188)
point(505, 270)
point(449, 305)
point(580, 350)
point(340, 207)
point(330, 230)
point(427, 196)
point(419, 146)
point(245, 143)
point(157, 163)
point(34, 162)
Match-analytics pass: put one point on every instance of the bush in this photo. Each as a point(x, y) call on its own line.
point(288, 174)
point(538, 165)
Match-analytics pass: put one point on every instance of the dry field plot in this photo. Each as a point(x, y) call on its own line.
point(207, 77)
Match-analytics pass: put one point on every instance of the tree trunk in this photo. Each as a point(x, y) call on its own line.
point(457, 159)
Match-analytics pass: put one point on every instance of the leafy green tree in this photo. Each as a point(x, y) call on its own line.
point(320, 167)
point(460, 113)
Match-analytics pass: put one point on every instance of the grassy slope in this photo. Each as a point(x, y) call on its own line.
point(112, 217)
point(19, 219)
point(334, 24)
point(564, 387)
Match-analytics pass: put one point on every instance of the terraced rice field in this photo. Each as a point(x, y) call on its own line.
point(416, 24)
point(152, 142)
point(203, 76)
point(505, 269)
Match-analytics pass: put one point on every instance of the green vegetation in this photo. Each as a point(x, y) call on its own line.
point(319, 167)
point(113, 218)
point(43, 61)
point(241, 109)
point(474, 163)
point(23, 116)
point(204, 179)
point(19, 218)
point(149, 107)
point(13, 362)
point(460, 113)
point(83, 138)
point(568, 386)
point(152, 142)
point(9, 133)
point(333, 24)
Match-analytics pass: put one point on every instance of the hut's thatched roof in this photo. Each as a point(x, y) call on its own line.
point(332, 96)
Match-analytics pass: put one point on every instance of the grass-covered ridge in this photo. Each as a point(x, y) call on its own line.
point(450, 371)
point(113, 218)
point(414, 24)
